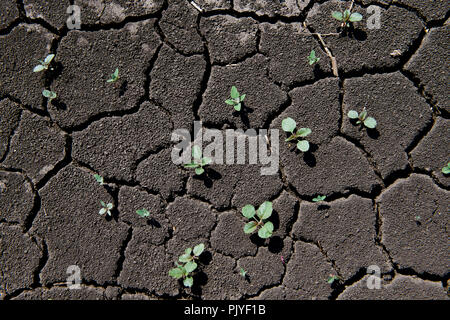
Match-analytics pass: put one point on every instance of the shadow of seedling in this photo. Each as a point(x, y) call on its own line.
point(54, 71)
point(352, 33)
point(188, 268)
point(243, 114)
point(123, 88)
point(208, 177)
point(58, 104)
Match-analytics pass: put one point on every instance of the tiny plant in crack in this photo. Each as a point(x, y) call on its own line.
point(189, 265)
point(235, 99)
point(114, 77)
point(333, 279)
point(347, 17)
point(243, 273)
point(44, 64)
point(446, 169)
point(362, 118)
point(99, 179)
point(50, 95)
point(106, 208)
point(143, 213)
point(199, 162)
point(289, 125)
point(260, 216)
point(318, 198)
point(312, 58)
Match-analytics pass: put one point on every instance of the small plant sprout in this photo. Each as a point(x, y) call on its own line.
point(346, 17)
point(362, 118)
point(260, 216)
point(50, 95)
point(143, 213)
point(243, 273)
point(114, 77)
point(236, 99)
point(189, 265)
point(333, 279)
point(446, 169)
point(106, 208)
point(289, 125)
point(198, 163)
point(312, 58)
point(99, 179)
point(318, 198)
point(44, 64)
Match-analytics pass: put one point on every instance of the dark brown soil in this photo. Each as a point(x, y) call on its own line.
point(387, 199)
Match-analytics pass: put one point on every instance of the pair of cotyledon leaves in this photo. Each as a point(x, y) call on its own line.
point(263, 213)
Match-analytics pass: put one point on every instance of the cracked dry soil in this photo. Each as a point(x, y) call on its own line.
point(387, 199)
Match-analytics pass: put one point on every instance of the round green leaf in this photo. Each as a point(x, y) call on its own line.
point(370, 123)
point(266, 230)
point(288, 125)
point(265, 210)
point(188, 251)
point(102, 203)
point(39, 68)
point(250, 227)
point(337, 15)
point(188, 282)
point(234, 92)
point(190, 266)
point(446, 170)
point(185, 258)
point(143, 212)
point(237, 107)
point(198, 249)
point(199, 171)
point(230, 102)
point(355, 16)
point(102, 211)
point(242, 97)
point(109, 206)
point(176, 273)
point(303, 132)
point(248, 211)
point(303, 145)
point(352, 114)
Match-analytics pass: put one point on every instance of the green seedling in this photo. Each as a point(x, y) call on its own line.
point(198, 163)
point(44, 64)
point(289, 125)
point(143, 213)
point(319, 198)
point(99, 179)
point(236, 99)
point(362, 118)
point(347, 17)
point(106, 208)
point(260, 216)
point(189, 265)
point(446, 169)
point(114, 77)
point(50, 95)
point(332, 279)
point(243, 273)
point(312, 58)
